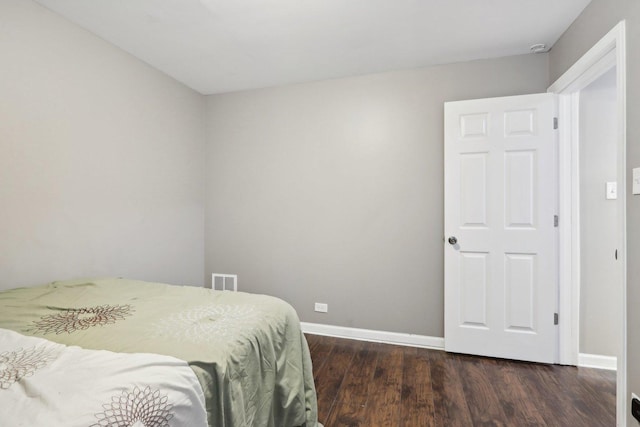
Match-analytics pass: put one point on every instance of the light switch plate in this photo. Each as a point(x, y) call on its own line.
point(636, 181)
point(612, 190)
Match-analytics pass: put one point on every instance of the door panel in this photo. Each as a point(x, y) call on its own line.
point(473, 194)
point(473, 289)
point(520, 189)
point(500, 202)
point(520, 287)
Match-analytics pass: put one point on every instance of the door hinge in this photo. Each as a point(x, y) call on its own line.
point(555, 318)
point(555, 220)
point(555, 123)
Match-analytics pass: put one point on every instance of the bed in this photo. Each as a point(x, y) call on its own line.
point(247, 351)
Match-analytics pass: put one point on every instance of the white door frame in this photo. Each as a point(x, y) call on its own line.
point(610, 51)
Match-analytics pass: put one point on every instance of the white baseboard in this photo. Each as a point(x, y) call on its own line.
point(597, 361)
point(409, 340)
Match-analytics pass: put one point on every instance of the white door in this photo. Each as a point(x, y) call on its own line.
point(501, 239)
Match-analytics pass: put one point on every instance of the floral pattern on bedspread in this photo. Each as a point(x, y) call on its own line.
point(144, 408)
point(75, 319)
point(209, 322)
point(21, 363)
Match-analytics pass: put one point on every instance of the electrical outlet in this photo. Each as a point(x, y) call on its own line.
point(321, 307)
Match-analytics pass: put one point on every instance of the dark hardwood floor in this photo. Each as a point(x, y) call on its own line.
point(370, 384)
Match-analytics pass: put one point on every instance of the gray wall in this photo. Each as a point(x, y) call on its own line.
point(601, 273)
point(101, 159)
point(333, 191)
point(596, 20)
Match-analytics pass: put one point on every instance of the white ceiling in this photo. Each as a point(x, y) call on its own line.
point(216, 46)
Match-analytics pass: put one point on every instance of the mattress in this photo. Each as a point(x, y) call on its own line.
point(247, 351)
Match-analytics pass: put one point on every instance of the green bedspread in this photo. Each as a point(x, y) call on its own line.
point(247, 350)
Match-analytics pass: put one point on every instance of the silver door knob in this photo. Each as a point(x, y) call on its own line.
point(453, 240)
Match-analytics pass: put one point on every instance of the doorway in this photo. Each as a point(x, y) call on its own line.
point(600, 273)
point(607, 55)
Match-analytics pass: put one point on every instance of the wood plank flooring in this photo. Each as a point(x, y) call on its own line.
point(370, 384)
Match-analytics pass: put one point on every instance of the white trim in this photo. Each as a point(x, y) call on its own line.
point(590, 66)
point(608, 52)
point(621, 69)
point(569, 231)
point(597, 361)
point(408, 340)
